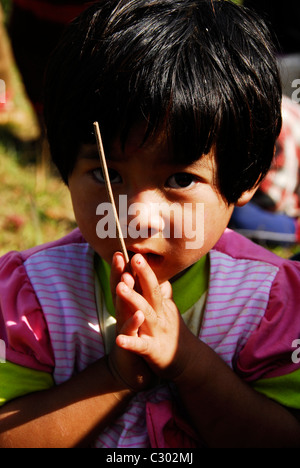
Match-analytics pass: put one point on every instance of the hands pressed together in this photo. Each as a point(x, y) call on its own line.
point(151, 335)
point(152, 343)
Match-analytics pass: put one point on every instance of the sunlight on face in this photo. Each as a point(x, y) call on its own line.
point(173, 214)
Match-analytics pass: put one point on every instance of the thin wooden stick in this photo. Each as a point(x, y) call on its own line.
point(109, 190)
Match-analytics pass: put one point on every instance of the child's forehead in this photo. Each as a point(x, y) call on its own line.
point(118, 154)
point(136, 144)
point(156, 148)
point(159, 151)
point(153, 155)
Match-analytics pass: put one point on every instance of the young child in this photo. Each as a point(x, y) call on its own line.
point(197, 343)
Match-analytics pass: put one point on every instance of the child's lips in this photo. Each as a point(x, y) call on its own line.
point(152, 258)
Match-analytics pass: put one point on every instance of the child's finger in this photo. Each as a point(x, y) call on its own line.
point(118, 273)
point(135, 344)
point(134, 300)
point(123, 310)
point(151, 289)
point(132, 325)
point(117, 268)
point(166, 290)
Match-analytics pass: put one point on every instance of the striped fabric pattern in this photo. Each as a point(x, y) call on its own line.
point(130, 429)
point(63, 279)
point(237, 300)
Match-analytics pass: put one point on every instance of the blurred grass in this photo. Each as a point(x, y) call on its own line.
point(31, 212)
point(6, 5)
point(35, 205)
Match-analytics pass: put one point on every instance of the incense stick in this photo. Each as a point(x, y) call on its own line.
point(109, 190)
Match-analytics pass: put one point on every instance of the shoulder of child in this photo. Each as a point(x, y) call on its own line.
point(23, 326)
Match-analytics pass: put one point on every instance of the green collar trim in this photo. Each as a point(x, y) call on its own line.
point(187, 289)
point(103, 269)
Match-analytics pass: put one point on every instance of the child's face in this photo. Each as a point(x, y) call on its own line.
point(174, 213)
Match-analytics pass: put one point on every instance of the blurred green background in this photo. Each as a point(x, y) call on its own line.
point(35, 205)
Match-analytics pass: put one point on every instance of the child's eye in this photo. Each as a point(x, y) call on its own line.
point(181, 180)
point(114, 177)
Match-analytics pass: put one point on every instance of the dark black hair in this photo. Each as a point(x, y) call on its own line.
point(204, 70)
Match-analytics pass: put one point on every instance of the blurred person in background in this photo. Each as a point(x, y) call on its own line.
point(274, 212)
point(16, 114)
point(284, 20)
point(35, 28)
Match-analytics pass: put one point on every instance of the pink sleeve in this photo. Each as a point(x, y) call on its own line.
point(268, 352)
point(22, 324)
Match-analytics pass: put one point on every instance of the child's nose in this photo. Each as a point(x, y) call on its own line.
point(145, 215)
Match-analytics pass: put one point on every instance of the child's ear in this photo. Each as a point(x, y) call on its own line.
point(246, 197)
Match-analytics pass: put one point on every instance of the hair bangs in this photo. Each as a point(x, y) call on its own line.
point(165, 84)
point(204, 73)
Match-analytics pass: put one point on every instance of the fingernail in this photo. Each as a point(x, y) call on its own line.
point(115, 257)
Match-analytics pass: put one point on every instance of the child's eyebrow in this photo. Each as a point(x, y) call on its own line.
point(88, 152)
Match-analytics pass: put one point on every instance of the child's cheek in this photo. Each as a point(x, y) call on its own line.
point(189, 225)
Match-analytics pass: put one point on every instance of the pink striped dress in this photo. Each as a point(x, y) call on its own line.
point(49, 320)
